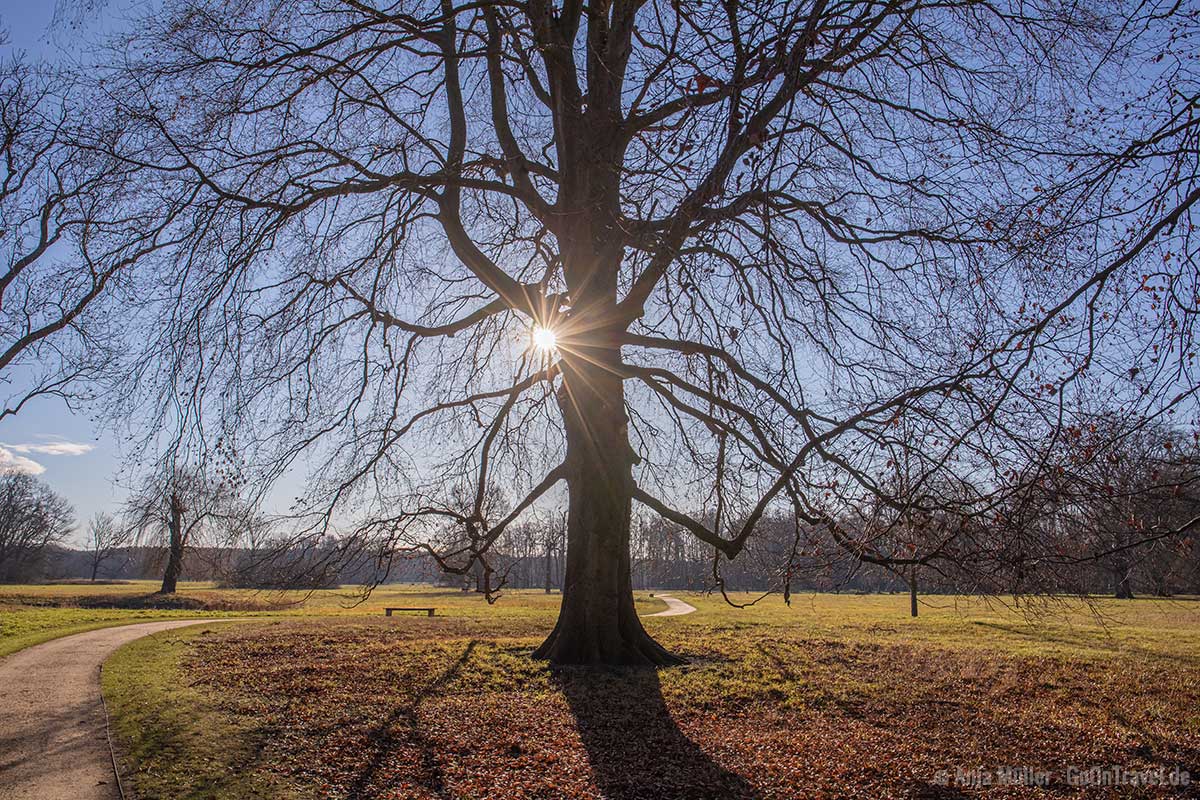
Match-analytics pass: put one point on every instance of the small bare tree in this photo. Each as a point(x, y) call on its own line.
point(105, 536)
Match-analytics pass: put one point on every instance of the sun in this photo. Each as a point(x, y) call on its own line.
point(544, 339)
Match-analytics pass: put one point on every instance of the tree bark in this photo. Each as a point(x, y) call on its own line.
point(1121, 568)
point(175, 547)
point(482, 578)
point(597, 623)
point(912, 592)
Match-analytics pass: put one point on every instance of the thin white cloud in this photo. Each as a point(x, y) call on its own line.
point(10, 461)
point(63, 448)
point(14, 463)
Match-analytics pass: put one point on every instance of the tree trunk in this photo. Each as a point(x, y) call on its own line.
point(549, 563)
point(175, 547)
point(1124, 587)
point(597, 622)
point(482, 584)
point(912, 592)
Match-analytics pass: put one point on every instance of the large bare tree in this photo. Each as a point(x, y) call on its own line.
point(708, 257)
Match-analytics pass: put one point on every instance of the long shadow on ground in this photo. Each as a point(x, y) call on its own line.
point(403, 725)
point(636, 750)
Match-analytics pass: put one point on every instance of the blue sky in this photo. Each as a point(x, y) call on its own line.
point(26, 23)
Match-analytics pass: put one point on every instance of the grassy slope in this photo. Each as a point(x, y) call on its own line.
point(831, 692)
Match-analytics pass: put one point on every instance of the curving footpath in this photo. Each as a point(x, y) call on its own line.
point(53, 744)
point(675, 607)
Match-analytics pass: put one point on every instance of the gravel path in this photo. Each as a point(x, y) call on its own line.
point(675, 607)
point(52, 739)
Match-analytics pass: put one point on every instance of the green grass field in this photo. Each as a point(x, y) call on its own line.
point(33, 614)
point(834, 696)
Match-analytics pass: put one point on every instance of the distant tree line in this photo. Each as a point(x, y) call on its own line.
point(665, 556)
point(233, 568)
point(1112, 511)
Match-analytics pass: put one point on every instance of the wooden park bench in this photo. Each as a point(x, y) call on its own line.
point(388, 611)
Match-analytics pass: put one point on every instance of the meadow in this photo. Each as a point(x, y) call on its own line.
point(315, 696)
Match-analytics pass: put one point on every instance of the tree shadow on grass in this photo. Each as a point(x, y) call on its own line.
point(403, 726)
point(636, 750)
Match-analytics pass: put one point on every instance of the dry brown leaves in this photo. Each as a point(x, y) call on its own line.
point(439, 708)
